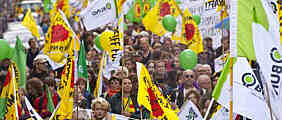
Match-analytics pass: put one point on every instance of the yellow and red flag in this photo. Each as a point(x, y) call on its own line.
point(66, 92)
point(60, 40)
point(153, 20)
point(191, 35)
point(151, 98)
point(10, 102)
point(64, 6)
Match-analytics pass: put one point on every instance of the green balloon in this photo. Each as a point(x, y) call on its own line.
point(169, 23)
point(97, 42)
point(197, 19)
point(6, 51)
point(188, 59)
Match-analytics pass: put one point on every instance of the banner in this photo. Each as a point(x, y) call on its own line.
point(151, 98)
point(66, 91)
point(190, 111)
point(102, 11)
point(30, 23)
point(60, 40)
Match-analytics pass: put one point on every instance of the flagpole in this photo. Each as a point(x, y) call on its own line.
point(209, 109)
point(268, 102)
point(231, 90)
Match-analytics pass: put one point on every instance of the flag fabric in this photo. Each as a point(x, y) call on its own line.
point(119, 117)
point(280, 19)
point(136, 12)
point(99, 82)
point(153, 19)
point(256, 36)
point(9, 97)
point(60, 40)
point(191, 35)
point(268, 51)
point(66, 91)
point(223, 114)
point(190, 111)
point(64, 6)
point(85, 4)
point(248, 93)
point(30, 23)
point(124, 6)
point(32, 113)
point(82, 67)
point(102, 11)
point(20, 63)
point(243, 15)
point(47, 5)
point(50, 104)
point(151, 98)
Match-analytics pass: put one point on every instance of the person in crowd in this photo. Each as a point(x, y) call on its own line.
point(125, 102)
point(32, 52)
point(204, 84)
point(81, 84)
point(40, 103)
point(189, 77)
point(114, 87)
point(79, 101)
point(34, 89)
point(193, 96)
point(100, 109)
point(81, 114)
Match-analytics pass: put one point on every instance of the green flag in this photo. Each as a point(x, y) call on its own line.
point(246, 12)
point(6, 51)
point(47, 6)
point(136, 12)
point(82, 68)
point(20, 61)
point(50, 104)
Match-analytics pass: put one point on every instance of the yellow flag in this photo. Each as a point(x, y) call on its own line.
point(30, 23)
point(66, 92)
point(191, 34)
point(60, 40)
point(85, 4)
point(99, 82)
point(280, 18)
point(10, 95)
point(151, 98)
point(64, 6)
point(153, 20)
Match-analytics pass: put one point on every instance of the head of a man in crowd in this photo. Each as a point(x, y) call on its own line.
point(203, 69)
point(81, 84)
point(156, 38)
point(91, 55)
point(176, 63)
point(5, 63)
point(41, 65)
point(208, 41)
point(34, 87)
point(189, 77)
point(127, 85)
point(100, 108)
point(204, 81)
point(115, 83)
point(176, 50)
point(151, 67)
point(144, 43)
point(225, 43)
point(32, 43)
point(160, 67)
point(167, 43)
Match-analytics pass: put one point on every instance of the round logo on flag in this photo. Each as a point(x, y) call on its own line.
point(146, 7)
point(164, 9)
point(275, 55)
point(189, 31)
point(248, 79)
point(59, 33)
point(137, 10)
point(108, 5)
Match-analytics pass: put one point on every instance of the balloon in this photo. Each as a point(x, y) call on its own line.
point(6, 50)
point(169, 23)
point(97, 42)
point(188, 59)
point(197, 19)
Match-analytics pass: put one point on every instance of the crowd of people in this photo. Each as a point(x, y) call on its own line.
point(159, 54)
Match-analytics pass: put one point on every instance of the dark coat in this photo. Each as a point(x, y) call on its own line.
point(116, 102)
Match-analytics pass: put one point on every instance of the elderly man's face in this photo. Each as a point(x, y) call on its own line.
point(188, 77)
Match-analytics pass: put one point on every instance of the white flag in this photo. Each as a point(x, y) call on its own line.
point(267, 49)
point(98, 13)
point(248, 96)
point(33, 114)
point(189, 111)
point(223, 114)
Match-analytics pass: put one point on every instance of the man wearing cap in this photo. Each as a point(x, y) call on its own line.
point(32, 52)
